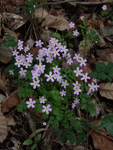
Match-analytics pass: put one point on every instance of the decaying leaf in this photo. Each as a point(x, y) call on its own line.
point(2, 98)
point(3, 127)
point(10, 121)
point(2, 85)
point(14, 21)
point(11, 101)
point(106, 90)
point(40, 14)
point(101, 142)
point(46, 35)
point(30, 42)
point(5, 54)
point(56, 22)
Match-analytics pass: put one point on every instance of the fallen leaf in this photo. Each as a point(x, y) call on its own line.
point(10, 121)
point(17, 144)
point(11, 101)
point(107, 31)
point(103, 54)
point(2, 98)
point(101, 142)
point(40, 14)
point(30, 42)
point(106, 90)
point(56, 22)
point(5, 54)
point(2, 85)
point(46, 35)
point(3, 127)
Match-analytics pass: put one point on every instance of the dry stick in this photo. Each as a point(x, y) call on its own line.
point(77, 3)
point(37, 131)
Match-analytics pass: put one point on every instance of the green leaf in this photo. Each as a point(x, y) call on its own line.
point(22, 106)
point(64, 43)
point(58, 132)
point(8, 37)
point(93, 74)
point(57, 35)
point(71, 45)
point(109, 67)
point(107, 122)
point(91, 108)
point(81, 26)
point(28, 142)
point(101, 75)
point(38, 137)
point(55, 94)
point(80, 138)
point(82, 32)
point(100, 67)
point(34, 146)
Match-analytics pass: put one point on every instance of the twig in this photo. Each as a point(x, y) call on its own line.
point(37, 131)
point(77, 3)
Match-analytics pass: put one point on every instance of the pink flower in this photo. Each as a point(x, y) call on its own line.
point(39, 43)
point(77, 91)
point(77, 57)
point(104, 7)
point(75, 33)
point(30, 103)
point(42, 99)
point(85, 77)
point(64, 84)
point(44, 123)
point(63, 93)
point(77, 101)
point(78, 71)
point(72, 25)
point(82, 62)
point(46, 109)
point(49, 77)
point(22, 72)
point(35, 83)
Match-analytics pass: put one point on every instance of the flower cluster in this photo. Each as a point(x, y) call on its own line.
point(48, 69)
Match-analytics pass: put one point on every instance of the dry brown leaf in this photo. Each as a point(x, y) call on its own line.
point(3, 127)
point(106, 90)
point(10, 121)
point(59, 23)
point(101, 142)
point(34, 51)
point(5, 54)
point(2, 98)
point(2, 85)
point(30, 42)
point(11, 101)
point(14, 21)
point(103, 54)
point(40, 14)
point(46, 35)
